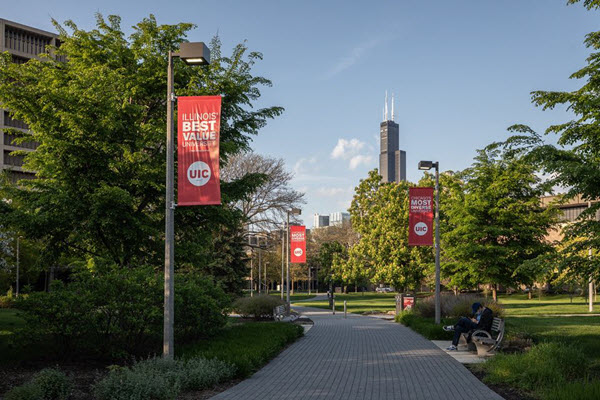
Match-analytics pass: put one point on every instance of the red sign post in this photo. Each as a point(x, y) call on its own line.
point(298, 244)
point(198, 125)
point(420, 217)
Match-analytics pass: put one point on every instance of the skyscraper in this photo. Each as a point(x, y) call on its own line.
point(392, 160)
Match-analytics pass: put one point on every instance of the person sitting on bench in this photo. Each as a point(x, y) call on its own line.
point(482, 320)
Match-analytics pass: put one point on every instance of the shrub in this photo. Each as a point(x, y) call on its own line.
point(455, 306)
point(545, 364)
point(425, 326)
point(6, 301)
point(48, 384)
point(160, 379)
point(199, 307)
point(120, 308)
point(53, 384)
point(259, 307)
point(28, 391)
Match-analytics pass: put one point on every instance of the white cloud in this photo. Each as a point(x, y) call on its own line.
point(346, 149)
point(353, 57)
point(304, 164)
point(360, 159)
point(351, 150)
point(330, 191)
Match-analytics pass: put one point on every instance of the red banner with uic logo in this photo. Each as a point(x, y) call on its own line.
point(198, 125)
point(298, 244)
point(420, 216)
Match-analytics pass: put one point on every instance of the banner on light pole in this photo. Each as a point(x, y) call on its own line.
point(198, 126)
point(420, 217)
point(297, 244)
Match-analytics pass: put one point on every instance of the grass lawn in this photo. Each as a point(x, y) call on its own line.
point(359, 303)
point(519, 304)
point(296, 296)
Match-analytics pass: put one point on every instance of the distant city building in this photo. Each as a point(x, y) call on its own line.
point(22, 43)
point(392, 160)
point(338, 218)
point(320, 221)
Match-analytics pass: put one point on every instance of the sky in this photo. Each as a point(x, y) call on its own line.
point(461, 71)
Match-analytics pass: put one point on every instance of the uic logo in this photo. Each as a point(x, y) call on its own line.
point(421, 228)
point(198, 173)
point(298, 252)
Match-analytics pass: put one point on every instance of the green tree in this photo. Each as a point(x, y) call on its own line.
point(498, 223)
point(574, 163)
point(379, 214)
point(99, 119)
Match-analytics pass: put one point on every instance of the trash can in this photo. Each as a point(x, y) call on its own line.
point(404, 302)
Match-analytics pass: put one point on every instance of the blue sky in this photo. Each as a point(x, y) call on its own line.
point(462, 72)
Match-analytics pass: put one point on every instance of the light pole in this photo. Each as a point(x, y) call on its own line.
point(294, 211)
point(425, 166)
point(282, 259)
point(266, 284)
point(18, 237)
point(191, 54)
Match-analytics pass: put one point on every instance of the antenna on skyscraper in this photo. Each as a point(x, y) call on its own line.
point(393, 107)
point(386, 107)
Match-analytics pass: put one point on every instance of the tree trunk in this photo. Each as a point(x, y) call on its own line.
point(355, 288)
point(529, 294)
point(495, 293)
point(455, 290)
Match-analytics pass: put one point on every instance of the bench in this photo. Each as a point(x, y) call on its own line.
point(484, 341)
point(279, 313)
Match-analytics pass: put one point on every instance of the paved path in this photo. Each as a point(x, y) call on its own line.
point(360, 358)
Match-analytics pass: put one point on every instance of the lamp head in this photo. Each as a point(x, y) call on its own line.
point(195, 53)
point(295, 211)
point(425, 165)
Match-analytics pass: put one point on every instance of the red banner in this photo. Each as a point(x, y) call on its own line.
point(420, 217)
point(198, 125)
point(298, 244)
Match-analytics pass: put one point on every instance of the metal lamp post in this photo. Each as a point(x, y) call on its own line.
point(425, 166)
point(18, 251)
point(282, 260)
point(294, 211)
point(191, 54)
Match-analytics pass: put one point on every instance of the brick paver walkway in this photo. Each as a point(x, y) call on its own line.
point(360, 358)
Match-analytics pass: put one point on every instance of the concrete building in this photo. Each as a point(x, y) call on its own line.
point(392, 160)
point(570, 209)
point(22, 43)
point(338, 218)
point(320, 221)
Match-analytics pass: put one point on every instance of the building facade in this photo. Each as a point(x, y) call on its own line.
point(338, 218)
point(320, 221)
point(22, 43)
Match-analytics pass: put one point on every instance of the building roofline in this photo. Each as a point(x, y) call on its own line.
point(28, 28)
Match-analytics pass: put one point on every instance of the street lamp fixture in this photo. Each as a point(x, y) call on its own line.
point(426, 166)
point(193, 54)
point(293, 211)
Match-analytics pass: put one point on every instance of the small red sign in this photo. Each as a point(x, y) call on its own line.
point(198, 126)
point(298, 244)
point(420, 217)
point(408, 303)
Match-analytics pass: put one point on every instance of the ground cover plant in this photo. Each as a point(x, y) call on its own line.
point(161, 379)
point(247, 346)
point(48, 384)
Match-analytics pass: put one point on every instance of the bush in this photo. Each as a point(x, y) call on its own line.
point(200, 307)
point(48, 384)
point(53, 384)
point(455, 306)
point(160, 379)
point(28, 391)
point(545, 364)
point(425, 326)
point(258, 307)
point(6, 301)
point(120, 308)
